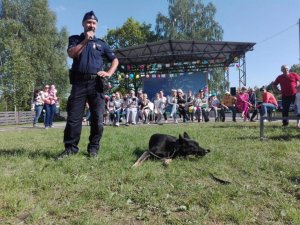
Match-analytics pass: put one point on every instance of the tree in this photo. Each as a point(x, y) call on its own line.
point(295, 68)
point(192, 20)
point(32, 51)
point(130, 34)
point(189, 20)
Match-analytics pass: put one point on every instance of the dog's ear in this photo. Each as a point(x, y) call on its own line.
point(180, 137)
point(185, 135)
point(182, 140)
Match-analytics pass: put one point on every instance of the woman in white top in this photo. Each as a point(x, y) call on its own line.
point(118, 101)
point(132, 105)
point(164, 103)
point(38, 106)
point(157, 108)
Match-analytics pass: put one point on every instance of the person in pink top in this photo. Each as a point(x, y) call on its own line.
point(269, 102)
point(242, 103)
point(288, 82)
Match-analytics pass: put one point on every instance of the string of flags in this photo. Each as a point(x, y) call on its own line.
point(168, 65)
point(155, 70)
point(132, 76)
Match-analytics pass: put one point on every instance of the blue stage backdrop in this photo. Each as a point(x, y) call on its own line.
point(184, 81)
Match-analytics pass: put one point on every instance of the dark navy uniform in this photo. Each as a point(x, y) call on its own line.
point(86, 86)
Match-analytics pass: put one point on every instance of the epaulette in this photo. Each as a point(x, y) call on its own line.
point(99, 39)
point(74, 36)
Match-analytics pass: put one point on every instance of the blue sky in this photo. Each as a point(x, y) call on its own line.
point(271, 24)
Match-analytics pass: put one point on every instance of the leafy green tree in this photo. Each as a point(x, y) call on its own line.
point(130, 34)
point(192, 20)
point(32, 51)
point(295, 68)
point(189, 20)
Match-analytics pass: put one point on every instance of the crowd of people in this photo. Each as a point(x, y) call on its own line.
point(131, 109)
point(46, 102)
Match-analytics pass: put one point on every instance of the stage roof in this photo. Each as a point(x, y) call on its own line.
point(203, 53)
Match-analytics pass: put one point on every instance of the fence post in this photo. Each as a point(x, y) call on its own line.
point(261, 127)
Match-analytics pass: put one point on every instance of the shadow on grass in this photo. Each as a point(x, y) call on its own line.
point(23, 152)
point(284, 137)
point(138, 152)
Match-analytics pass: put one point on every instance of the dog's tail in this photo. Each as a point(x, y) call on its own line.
point(143, 157)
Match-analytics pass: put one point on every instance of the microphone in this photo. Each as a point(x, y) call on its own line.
point(91, 29)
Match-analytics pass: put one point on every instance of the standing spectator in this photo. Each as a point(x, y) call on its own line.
point(106, 110)
point(288, 82)
point(86, 77)
point(38, 106)
point(297, 106)
point(269, 102)
point(253, 102)
point(157, 108)
point(132, 108)
point(181, 101)
point(53, 105)
point(124, 113)
point(118, 101)
point(228, 103)
point(190, 105)
point(49, 98)
point(163, 105)
point(139, 111)
point(172, 100)
point(111, 109)
point(242, 103)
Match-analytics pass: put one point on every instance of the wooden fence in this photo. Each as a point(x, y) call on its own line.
point(11, 117)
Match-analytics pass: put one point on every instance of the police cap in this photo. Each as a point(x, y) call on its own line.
point(90, 16)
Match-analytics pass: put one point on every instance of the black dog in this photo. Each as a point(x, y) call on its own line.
point(167, 147)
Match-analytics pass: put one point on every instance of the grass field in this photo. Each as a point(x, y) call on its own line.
point(264, 177)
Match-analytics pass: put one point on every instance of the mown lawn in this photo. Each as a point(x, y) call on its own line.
point(264, 177)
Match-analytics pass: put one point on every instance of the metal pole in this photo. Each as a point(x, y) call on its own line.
point(299, 39)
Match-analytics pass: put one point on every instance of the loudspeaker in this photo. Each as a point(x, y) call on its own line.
point(233, 91)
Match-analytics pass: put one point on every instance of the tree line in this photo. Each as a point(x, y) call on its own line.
point(32, 52)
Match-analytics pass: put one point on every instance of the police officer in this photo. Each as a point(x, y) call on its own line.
point(87, 76)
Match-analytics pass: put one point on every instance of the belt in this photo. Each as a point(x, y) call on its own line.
point(89, 76)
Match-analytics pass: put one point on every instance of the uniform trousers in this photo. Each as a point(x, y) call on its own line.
point(82, 92)
point(286, 102)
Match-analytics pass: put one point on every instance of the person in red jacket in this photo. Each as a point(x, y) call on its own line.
point(288, 82)
point(269, 102)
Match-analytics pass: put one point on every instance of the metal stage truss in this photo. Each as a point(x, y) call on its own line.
point(172, 56)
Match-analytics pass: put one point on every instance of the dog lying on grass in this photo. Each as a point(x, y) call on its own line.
point(167, 147)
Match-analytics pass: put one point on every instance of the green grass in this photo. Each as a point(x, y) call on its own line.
point(264, 176)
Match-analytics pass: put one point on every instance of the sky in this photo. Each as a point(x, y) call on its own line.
point(272, 24)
